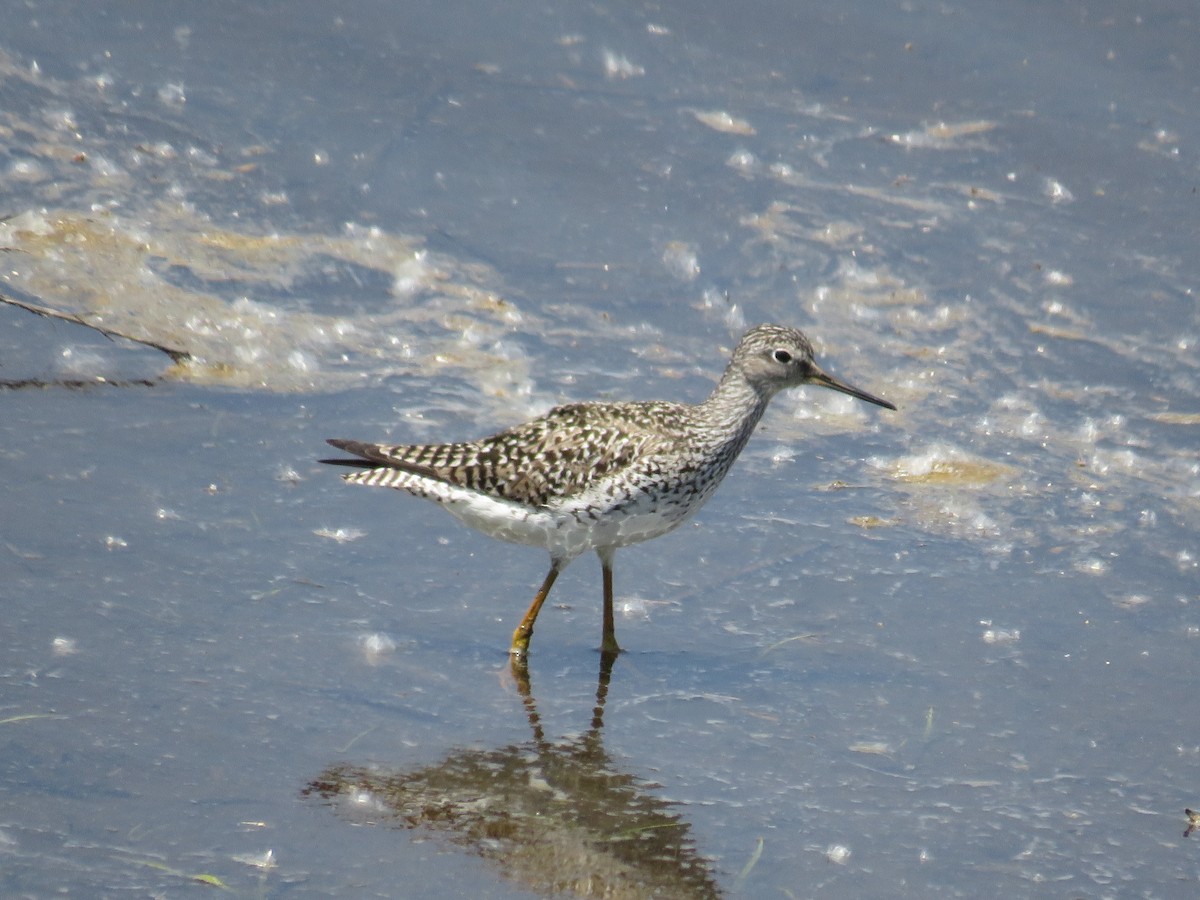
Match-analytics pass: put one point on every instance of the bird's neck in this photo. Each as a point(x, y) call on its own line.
point(734, 408)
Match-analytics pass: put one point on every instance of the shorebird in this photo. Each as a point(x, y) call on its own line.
point(599, 476)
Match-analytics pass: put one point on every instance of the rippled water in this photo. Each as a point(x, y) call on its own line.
point(898, 652)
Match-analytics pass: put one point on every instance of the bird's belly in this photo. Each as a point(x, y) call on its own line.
point(506, 520)
point(632, 518)
point(600, 518)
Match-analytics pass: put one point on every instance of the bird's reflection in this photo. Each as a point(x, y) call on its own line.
point(554, 817)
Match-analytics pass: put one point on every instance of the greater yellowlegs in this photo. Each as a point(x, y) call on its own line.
point(599, 476)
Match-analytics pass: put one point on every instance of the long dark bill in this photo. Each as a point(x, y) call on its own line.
point(826, 380)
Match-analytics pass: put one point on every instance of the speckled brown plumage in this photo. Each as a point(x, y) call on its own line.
point(599, 476)
point(533, 463)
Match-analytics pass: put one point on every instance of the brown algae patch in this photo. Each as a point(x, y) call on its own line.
point(175, 278)
point(940, 464)
point(957, 493)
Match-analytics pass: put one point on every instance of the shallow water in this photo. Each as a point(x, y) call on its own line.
point(898, 651)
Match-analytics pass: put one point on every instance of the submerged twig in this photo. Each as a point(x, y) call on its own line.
point(49, 313)
point(74, 384)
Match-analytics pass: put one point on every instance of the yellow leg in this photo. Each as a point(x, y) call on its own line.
point(608, 642)
point(520, 641)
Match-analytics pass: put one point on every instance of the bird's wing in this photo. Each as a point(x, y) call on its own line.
point(546, 459)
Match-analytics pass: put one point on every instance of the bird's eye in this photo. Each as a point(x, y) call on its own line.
point(782, 356)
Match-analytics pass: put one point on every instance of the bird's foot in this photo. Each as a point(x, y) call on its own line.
point(609, 648)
